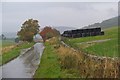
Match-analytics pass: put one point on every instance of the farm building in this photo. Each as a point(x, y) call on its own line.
point(83, 32)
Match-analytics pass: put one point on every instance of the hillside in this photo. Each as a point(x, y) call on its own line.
point(105, 24)
point(64, 28)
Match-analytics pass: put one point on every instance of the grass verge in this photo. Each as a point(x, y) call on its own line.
point(8, 56)
point(49, 66)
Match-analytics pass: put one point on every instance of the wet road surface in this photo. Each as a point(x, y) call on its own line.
point(23, 66)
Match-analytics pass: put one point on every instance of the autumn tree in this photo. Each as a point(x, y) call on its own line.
point(28, 29)
point(49, 32)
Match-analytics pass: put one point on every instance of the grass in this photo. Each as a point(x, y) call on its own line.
point(5, 43)
point(59, 61)
point(49, 66)
point(107, 48)
point(69, 62)
point(7, 56)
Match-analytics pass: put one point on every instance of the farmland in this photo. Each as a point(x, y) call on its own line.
point(10, 50)
point(6, 45)
point(106, 45)
point(72, 63)
point(8, 42)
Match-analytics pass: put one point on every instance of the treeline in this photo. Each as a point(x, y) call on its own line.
point(2, 37)
point(31, 27)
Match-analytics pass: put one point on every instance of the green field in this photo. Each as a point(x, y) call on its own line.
point(4, 43)
point(105, 48)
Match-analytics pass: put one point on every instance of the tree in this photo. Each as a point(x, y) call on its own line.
point(28, 29)
point(49, 32)
point(3, 37)
point(17, 40)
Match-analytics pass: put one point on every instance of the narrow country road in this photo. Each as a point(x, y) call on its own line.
point(23, 66)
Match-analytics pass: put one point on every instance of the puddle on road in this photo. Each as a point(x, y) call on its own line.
point(22, 67)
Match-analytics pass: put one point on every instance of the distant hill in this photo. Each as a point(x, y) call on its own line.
point(105, 24)
point(64, 28)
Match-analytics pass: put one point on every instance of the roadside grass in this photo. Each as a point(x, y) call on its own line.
point(49, 66)
point(107, 48)
point(13, 53)
point(69, 62)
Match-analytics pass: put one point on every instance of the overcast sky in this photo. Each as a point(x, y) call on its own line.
point(71, 14)
point(59, 0)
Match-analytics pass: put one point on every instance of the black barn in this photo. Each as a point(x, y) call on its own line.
point(83, 32)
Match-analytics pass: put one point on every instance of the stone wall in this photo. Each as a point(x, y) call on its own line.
point(92, 66)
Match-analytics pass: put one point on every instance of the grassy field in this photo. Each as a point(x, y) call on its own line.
point(13, 53)
point(105, 48)
point(5, 43)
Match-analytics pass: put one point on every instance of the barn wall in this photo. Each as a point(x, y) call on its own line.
point(83, 32)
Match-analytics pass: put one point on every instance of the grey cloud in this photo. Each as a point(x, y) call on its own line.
point(57, 14)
